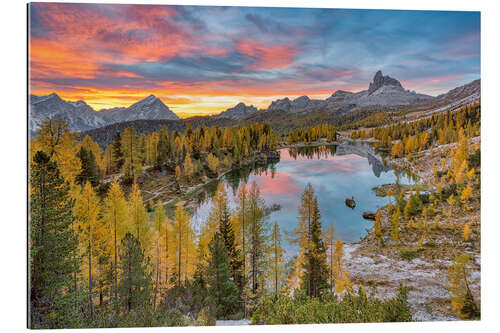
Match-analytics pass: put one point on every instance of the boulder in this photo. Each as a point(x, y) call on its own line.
point(369, 215)
point(350, 203)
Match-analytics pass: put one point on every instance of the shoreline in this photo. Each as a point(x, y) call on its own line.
point(381, 267)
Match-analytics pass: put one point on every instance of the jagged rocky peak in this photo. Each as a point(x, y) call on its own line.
point(150, 107)
point(280, 104)
point(341, 93)
point(379, 80)
point(150, 99)
point(300, 102)
point(38, 99)
point(239, 111)
point(78, 103)
point(241, 106)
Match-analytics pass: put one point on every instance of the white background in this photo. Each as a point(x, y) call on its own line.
point(13, 114)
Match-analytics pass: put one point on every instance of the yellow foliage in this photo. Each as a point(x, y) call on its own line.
point(466, 232)
point(458, 285)
point(178, 173)
point(86, 211)
point(343, 284)
point(213, 162)
point(91, 145)
point(471, 174)
point(183, 247)
point(440, 186)
point(436, 222)
point(188, 166)
point(451, 200)
point(460, 173)
point(219, 209)
point(338, 258)
point(115, 219)
point(56, 139)
point(378, 223)
point(395, 225)
point(466, 194)
point(139, 218)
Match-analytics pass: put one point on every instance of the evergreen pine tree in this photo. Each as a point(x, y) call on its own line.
point(315, 268)
point(52, 247)
point(164, 148)
point(236, 263)
point(117, 153)
point(90, 170)
point(222, 291)
point(135, 281)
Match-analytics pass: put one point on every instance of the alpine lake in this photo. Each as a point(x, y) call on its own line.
point(336, 172)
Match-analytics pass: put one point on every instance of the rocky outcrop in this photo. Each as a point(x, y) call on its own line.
point(302, 103)
point(369, 215)
point(469, 91)
point(339, 95)
point(379, 80)
point(350, 203)
point(237, 112)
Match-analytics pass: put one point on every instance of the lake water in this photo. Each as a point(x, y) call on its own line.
point(335, 172)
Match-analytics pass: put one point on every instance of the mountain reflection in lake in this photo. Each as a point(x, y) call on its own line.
point(335, 172)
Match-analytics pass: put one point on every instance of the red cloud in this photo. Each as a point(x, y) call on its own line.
point(123, 34)
point(267, 56)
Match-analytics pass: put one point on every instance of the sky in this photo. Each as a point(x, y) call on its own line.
point(202, 60)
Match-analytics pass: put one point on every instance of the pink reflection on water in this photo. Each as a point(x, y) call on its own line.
point(282, 184)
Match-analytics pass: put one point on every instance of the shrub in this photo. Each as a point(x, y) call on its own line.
point(355, 308)
point(408, 254)
point(175, 318)
point(474, 159)
point(205, 317)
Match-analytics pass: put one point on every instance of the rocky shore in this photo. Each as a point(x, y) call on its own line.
point(381, 264)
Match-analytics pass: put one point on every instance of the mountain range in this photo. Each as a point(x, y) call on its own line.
point(81, 117)
point(383, 92)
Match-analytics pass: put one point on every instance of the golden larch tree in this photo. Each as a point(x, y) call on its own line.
point(159, 232)
point(330, 238)
point(115, 217)
point(183, 242)
point(277, 260)
point(86, 211)
point(139, 218)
